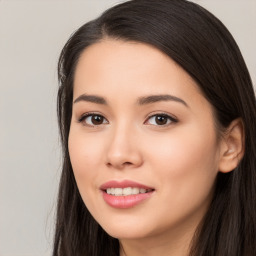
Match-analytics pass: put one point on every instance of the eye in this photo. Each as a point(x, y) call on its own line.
point(161, 119)
point(93, 119)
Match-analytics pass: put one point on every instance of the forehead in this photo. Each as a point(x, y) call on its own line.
point(111, 65)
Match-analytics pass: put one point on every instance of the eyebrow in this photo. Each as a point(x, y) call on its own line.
point(141, 101)
point(91, 98)
point(156, 98)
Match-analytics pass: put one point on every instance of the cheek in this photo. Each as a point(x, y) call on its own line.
point(84, 150)
point(185, 147)
point(85, 158)
point(186, 163)
point(185, 169)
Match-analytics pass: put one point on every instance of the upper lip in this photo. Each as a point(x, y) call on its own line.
point(123, 184)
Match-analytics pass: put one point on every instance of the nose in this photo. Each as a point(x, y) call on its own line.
point(123, 150)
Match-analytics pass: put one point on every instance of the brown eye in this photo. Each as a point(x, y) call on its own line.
point(93, 120)
point(161, 120)
point(96, 120)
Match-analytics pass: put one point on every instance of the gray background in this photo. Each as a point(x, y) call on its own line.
point(32, 34)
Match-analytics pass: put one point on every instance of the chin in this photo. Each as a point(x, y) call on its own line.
point(128, 230)
point(126, 234)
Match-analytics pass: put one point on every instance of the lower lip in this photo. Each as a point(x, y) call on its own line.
point(124, 202)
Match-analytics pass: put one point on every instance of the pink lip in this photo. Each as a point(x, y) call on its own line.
point(124, 202)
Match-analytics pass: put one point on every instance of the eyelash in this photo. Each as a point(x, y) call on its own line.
point(84, 116)
point(90, 114)
point(170, 118)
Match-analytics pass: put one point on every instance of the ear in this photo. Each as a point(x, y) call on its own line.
point(232, 146)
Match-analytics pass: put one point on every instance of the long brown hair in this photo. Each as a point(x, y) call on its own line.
point(201, 44)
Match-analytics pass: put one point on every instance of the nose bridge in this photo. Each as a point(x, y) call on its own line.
point(123, 147)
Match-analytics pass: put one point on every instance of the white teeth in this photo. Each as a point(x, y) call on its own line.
point(125, 191)
point(135, 191)
point(118, 191)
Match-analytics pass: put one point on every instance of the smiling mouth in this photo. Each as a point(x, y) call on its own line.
point(125, 194)
point(128, 191)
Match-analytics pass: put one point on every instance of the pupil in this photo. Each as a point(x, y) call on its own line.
point(97, 120)
point(161, 120)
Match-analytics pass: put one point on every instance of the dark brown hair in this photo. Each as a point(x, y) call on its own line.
point(205, 49)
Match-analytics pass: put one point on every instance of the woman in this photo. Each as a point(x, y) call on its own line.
point(157, 120)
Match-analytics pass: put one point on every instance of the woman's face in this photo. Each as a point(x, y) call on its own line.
point(142, 142)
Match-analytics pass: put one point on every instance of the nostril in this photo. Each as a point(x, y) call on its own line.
point(127, 163)
point(121, 165)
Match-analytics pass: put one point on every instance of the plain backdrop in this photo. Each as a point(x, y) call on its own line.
point(32, 34)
